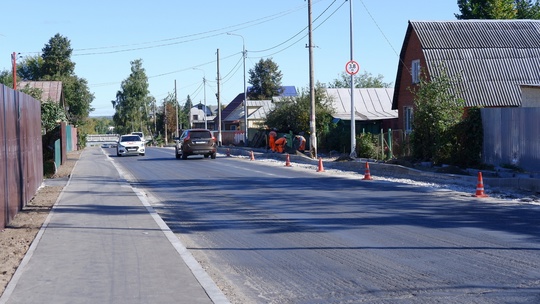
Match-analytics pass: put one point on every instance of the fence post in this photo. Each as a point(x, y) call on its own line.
point(390, 153)
point(382, 144)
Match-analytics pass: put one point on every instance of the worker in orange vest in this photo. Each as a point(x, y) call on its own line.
point(280, 144)
point(272, 140)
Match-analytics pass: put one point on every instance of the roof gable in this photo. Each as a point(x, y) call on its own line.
point(232, 106)
point(235, 110)
point(51, 90)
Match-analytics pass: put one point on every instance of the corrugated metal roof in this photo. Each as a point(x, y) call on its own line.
point(235, 114)
point(231, 107)
point(287, 91)
point(258, 109)
point(263, 108)
point(491, 57)
point(51, 90)
point(369, 103)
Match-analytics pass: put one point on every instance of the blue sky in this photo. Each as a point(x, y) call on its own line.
point(178, 40)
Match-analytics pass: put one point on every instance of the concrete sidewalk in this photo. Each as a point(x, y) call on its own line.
point(103, 243)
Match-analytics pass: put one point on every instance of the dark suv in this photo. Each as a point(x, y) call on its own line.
point(196, 142)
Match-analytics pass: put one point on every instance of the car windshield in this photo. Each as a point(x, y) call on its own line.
point(200, 134)
point(130, 138)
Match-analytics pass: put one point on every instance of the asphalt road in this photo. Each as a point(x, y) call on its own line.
point(267, 233)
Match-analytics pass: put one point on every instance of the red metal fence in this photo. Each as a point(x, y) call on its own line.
point(21, 155)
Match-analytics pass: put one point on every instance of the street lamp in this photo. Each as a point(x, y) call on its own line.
point(244, 55)
point(204, 88)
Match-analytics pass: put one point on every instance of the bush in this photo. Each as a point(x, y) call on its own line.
point(366, 145)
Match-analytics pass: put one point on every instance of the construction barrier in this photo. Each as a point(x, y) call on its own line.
point(320, 168)
point(288, 161)
point(367, 175)
point(480, 186)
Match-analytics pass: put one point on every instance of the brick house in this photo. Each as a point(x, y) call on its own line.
point(493, 59)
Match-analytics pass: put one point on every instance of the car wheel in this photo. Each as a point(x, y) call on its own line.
point(177, 155)
point(213, 156)
point(142, 154)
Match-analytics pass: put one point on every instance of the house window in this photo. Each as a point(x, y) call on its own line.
point(408, 119)
point(195, 117)
point(415, 71)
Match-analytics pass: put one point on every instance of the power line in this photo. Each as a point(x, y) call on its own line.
point(381, 31)
point(236, 67)
point(304, 36)
point(187, 38)
point(300, 32)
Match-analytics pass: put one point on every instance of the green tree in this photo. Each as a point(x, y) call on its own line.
point(169, 104)
point(56, 65)
point(6, 78)
point(437, 112)
point(364, 80)
point(57, 57)
point(130, 104)
point(184, 114)
point(30, 68)
point(265, 79)
point(498, 9)
point(51, 114)
point(78, 99)
point(526, 9)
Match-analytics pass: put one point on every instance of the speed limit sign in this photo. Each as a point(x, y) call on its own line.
point(352, 67)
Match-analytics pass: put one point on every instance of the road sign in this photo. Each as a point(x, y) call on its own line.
point(352, 67)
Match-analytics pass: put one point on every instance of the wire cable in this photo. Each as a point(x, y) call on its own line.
point(187, 38)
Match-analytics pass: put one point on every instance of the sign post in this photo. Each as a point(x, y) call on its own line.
point(352, 67)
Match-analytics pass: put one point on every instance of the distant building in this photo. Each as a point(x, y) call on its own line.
point(199, 114)
point(233, 113)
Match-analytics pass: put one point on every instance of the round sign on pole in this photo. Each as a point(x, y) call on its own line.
point(352, 67)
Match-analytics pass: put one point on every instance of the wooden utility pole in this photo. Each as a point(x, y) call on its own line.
point(218, 101)
point(176, 105)
point(14, 66)
point(312, 128)
point(165, 120)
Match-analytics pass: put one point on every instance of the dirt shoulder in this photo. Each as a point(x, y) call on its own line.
point(21, 232)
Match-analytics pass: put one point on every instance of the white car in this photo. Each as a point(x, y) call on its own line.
point(130, 145)
point(141, 135)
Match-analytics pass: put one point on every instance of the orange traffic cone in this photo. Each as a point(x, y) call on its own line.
point(480, 186)
point(367, 175)
point(320, 169)
point(288, 161)
point(228, 152)
point(252, 157)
